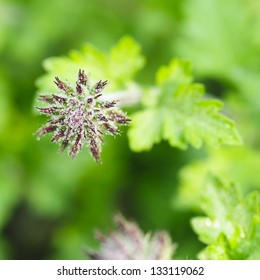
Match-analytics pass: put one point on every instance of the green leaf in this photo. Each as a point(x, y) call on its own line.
point(148, 132)
point(125, 60)
point(231, 228)
point(118, 67)
point(180, 114)
point(231, 39)
point(239, 164)
point(228, 47)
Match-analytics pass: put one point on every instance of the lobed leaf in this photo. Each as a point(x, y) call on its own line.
point(118, 67)
point(227, 49)
point(180, 114)
point(238, 164)
point(231, 228)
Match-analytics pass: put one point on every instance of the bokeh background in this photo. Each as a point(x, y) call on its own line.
point(50, 205)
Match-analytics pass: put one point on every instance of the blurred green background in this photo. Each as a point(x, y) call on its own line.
point(50, 205)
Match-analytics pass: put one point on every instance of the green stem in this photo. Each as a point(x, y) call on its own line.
point(125, 98)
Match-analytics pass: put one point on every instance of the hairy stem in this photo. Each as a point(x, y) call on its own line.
point(125, 98)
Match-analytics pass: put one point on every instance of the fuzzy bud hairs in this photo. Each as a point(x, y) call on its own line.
point(128, 242)
point(78, 116)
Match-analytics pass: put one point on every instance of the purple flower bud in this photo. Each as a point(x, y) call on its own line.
point(46, 98)
point(48, 111)
point(64, 144)
point(82, 77)
point(102, 118)
point(95, 149)
point(110, 129)
point(58, 136)
point(44, 130)
point(100, 86)
point(119, 117)
point(59, 99)
point(109, 104)
point(77, 146)
point(90, 100)
point(80, 118)
point(79, 89)
point(57, 121)
point(61, 85)
point(128, 242)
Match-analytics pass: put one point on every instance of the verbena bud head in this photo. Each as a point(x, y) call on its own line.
point(128, 242)
point(78, 116)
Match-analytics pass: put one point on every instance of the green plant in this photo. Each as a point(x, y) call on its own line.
point(154, 173)
point(175, 109)
point(231, 229)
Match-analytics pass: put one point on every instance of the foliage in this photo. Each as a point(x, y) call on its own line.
point(236, 164)
point(232, 226)
point(118, 67)
point(177, 112)
point(227, 56)
point(56, 203)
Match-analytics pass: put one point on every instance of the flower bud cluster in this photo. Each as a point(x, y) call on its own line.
point(128, 242)
point(78, 116)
